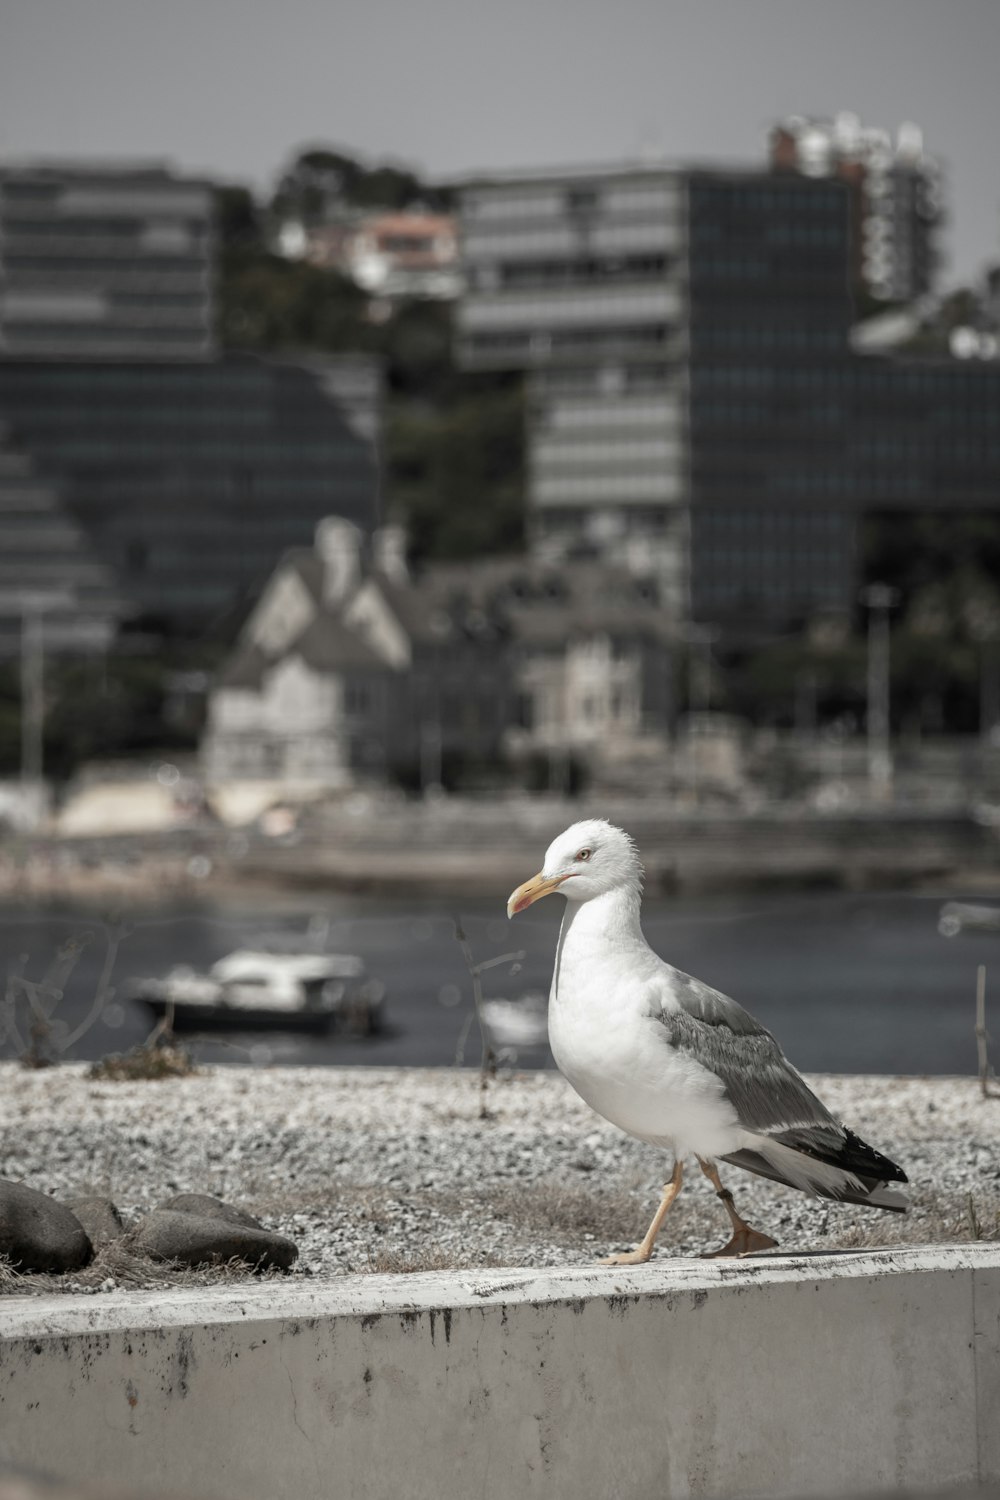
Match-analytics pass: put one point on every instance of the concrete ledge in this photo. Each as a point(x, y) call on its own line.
point(789, 1376)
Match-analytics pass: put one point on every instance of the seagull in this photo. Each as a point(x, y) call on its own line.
point(675, 1063)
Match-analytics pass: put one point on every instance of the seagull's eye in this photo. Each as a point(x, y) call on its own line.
point(583, 854)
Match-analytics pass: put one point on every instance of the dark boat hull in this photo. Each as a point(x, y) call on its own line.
point(210, 1017)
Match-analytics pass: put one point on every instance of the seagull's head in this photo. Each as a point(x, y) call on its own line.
point(588, 860)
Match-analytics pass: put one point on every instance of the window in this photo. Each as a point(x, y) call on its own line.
point(581, 200)
point(586, 269)
point(357, 698)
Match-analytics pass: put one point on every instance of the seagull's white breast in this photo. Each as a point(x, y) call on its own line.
point(607, 1042)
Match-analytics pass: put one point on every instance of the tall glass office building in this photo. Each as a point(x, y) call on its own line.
point(143, 475)
point(792, 437)
point(188, 480)
point(695, 409)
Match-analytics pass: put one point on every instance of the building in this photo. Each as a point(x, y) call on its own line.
point(405, 255)
point(592, 656)
point(187, 479)
point(49, 570)
point(695, 409)
point(793, 437)
point(409, 253)
point(180, 473)
point(895, 194)
point(103, 261)
point(580, 279)
point(350, 671)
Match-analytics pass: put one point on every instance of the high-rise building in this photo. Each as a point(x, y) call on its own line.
point(580, 279)
point(695, 409)
point(768, 304)
point(48, 565)
point(895, 192)
point(102, 262)
point(143, 475)
point(188, 480)
point(793, 438)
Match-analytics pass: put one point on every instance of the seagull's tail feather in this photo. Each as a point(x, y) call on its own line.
point(827, 1162)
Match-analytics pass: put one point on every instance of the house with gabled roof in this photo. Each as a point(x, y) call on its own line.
point(350, 671)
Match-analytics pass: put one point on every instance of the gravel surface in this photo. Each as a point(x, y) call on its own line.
point(392, 1170)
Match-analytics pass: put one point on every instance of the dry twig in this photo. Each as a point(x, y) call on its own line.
point(488, 1062)
point(487, 1067)
point(982, 1035)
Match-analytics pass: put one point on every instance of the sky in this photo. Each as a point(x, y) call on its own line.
point(233, 88)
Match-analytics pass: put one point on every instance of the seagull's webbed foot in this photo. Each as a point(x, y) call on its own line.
point(745, 1240)
point(636, 1257)
point(641, 1253)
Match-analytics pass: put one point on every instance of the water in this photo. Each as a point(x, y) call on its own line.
point(847, 983)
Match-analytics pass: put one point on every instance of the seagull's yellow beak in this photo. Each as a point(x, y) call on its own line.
point(533, 890)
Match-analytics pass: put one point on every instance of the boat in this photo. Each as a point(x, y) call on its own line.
point(517, 1023)
point(253, 990)
point(967, 916)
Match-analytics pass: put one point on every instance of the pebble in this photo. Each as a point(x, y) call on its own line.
point(196, 1239)
point(99, 1217)
point(207, 1207)
point(39, 1234)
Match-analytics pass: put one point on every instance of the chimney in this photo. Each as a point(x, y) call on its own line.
point(338, 546)
point(389, 551)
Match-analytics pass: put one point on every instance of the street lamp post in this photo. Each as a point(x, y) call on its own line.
point(700, 666)
point(32, 605)
point(431, 742)
point(699, 690)
point(988, 707)
point(32, 696)
point(982, 618)
point(879, 598)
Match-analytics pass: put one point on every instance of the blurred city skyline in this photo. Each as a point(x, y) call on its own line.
point(451, 89)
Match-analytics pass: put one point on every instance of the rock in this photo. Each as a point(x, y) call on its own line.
point(207, 1207)
point(99, 1217)
point(196, 1239)
point(39, 1234)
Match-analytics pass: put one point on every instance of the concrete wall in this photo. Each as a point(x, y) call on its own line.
point(784, 1376)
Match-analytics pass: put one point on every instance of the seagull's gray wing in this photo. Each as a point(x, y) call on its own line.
point(771, 1099)
point(768, 1095)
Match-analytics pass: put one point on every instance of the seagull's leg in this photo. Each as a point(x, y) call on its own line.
point(744, 1240)
point(644, 1251)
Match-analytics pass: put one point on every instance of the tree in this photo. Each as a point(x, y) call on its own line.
point(322, 184)
point(97, 709)
point(764, 684)
point(316, 187)
point(238, 223)
point(453, 451)
point(455, 473)
point(267, 303)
